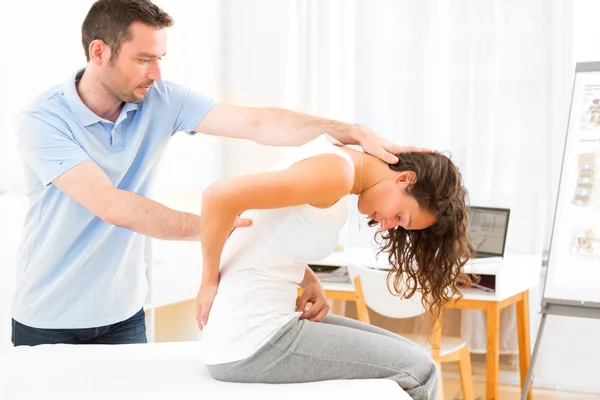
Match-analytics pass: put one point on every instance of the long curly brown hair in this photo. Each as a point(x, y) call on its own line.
point(430, 260)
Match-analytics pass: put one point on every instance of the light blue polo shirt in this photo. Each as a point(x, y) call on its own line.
point(75, 270)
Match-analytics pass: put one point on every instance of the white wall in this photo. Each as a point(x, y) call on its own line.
point(254, 72)
point(193, 59)
point(569, 353)
point(37, 53)
point(12, 212)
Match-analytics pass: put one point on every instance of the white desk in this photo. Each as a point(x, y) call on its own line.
point(514, 276)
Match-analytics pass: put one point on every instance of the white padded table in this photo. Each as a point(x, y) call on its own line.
point(169, 371)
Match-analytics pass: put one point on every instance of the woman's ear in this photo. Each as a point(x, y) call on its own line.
point(406, 178)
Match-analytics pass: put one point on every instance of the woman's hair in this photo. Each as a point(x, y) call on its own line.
point(430, 260)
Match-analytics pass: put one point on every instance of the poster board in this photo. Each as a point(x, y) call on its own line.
point(573, 275)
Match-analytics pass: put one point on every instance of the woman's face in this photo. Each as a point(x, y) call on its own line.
point(388, 203)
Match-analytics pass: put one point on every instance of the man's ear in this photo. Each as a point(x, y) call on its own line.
point(406, 177)
point(99, 52)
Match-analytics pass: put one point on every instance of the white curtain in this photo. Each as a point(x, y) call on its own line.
point(488, 81)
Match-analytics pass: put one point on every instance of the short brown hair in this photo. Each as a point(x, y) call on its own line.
point(109, 21)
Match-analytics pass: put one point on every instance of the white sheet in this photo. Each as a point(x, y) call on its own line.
point(165, 371)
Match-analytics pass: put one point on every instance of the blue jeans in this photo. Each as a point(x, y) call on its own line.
point(132, 330)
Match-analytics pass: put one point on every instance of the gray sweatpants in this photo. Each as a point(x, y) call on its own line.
point(337, 348)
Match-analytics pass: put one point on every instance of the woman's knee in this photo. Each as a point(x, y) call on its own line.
point(419, 364)
point(430, 379)
point(429, 371)
point(425, 381)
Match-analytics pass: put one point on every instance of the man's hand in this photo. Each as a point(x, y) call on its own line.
point(240, 223)
point(204, 301)
point(313, 293)
point(381, 148)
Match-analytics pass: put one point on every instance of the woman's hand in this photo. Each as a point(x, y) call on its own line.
point(313, 293)
point(204, 301)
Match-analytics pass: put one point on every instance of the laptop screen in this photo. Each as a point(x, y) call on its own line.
point(488, 228)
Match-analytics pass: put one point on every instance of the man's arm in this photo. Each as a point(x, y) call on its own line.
point(281, 127)
point(274, 126)
point(58, 159)
point(88, 185)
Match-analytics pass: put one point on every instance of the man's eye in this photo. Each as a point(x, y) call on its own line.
point(399, 217)
point(145, 60)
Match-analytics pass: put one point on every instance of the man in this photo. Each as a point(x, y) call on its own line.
point(90, 148)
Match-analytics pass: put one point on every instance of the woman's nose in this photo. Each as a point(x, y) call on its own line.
point(387, 224)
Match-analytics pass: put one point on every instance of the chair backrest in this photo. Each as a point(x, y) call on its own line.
point(378, 297)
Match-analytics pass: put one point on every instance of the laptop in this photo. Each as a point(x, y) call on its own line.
point(488, 228)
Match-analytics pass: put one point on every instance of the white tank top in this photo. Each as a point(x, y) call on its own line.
point(263, 264)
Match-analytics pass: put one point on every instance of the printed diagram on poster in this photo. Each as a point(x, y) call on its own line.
point(587, 193)
point(590, 119)
point(586, 243)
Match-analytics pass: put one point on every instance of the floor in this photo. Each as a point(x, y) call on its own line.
point(507, 392)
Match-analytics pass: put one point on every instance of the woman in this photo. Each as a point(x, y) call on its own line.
point(252, 329)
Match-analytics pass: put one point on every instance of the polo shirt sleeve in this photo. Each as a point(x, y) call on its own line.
point(191, 107)
point(48, 148)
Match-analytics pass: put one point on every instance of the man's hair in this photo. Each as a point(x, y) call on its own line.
point(109, 21)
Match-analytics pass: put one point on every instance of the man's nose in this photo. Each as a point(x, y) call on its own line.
point(154, 72)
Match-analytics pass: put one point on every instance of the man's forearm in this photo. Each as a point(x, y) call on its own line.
point(281, 127)
point(150, 218)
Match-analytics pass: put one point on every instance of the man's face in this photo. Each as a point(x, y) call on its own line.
point(130, 75)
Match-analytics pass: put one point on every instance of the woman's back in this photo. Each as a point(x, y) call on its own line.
point(262, 266)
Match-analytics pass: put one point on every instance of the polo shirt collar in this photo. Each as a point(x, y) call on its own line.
point(79, 109)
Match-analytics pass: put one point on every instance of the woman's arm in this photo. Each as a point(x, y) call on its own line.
point(320, 181)
point(313, 293)
point(309, 278)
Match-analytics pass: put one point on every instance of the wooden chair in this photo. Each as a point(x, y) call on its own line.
point(372, 292)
